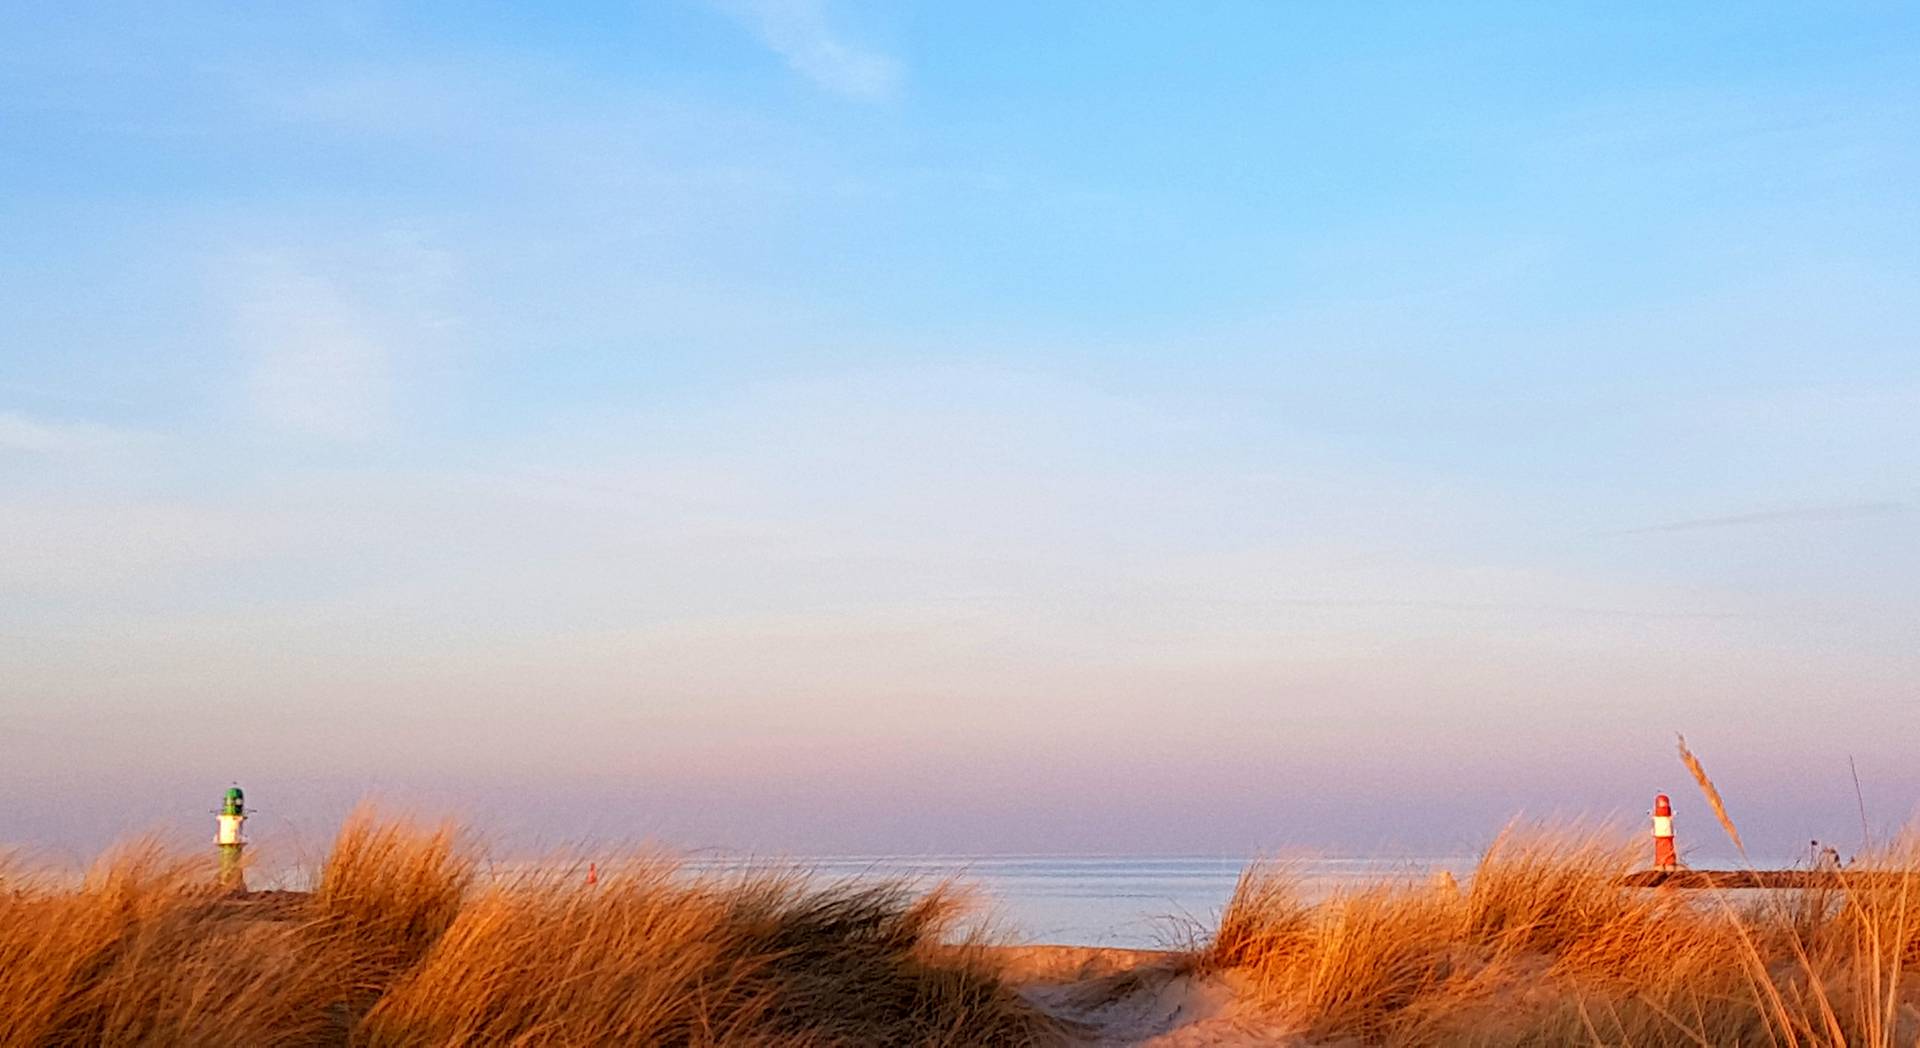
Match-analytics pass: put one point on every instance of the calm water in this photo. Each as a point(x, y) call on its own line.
point(1127, 901)
point(1110, 900)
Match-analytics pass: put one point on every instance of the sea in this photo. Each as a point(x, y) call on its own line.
point(1129, 901)
point(1138, 902)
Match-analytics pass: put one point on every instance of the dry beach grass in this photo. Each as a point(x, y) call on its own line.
point(402, 944)
point(405, 942)
point(1544, 947)
point(1547, 946)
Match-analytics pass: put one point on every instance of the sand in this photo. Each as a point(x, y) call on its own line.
point(1109, 997)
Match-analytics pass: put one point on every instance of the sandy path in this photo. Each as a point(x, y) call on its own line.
point(1110, 998)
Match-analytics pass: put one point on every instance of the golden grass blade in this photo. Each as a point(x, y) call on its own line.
point(1713, 795)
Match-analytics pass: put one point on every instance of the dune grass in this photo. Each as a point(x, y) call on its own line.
point(407, 941)
point(1544, 947)
point(404, 943)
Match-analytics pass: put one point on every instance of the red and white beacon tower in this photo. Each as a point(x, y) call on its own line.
point(1664, 857)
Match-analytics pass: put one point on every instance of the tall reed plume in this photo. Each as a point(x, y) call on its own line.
point(1712, 795)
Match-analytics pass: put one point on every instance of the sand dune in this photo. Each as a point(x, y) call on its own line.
point(1112, 997)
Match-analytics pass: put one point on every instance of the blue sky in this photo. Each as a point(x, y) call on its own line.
point(836, 427)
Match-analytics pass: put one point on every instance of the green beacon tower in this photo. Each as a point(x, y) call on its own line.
point(228, 836)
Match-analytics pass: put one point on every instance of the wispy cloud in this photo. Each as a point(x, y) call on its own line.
point(52, 395)
point(22, 433)
point(313, 365)
point(798, 31)
point(1805, 514)
point(324, 339)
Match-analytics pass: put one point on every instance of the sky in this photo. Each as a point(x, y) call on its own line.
point(819, 427)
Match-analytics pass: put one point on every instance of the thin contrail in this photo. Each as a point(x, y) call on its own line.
point(1853, 511)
